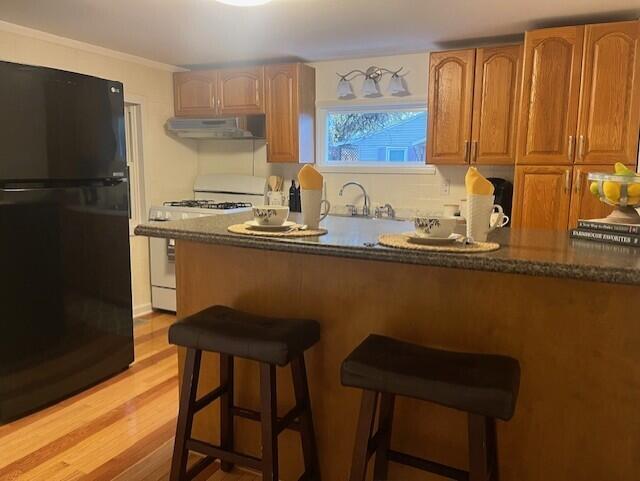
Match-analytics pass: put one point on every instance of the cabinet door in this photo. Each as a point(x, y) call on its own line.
point(282, 112)
point(584, 205)
point(194, 93)
point(543, 196)
point(241, 91)
point(610, 100)
point(550, 92)
point(495, 105)
point(450, 105)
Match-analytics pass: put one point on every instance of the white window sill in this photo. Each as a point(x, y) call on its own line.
point(376, 169)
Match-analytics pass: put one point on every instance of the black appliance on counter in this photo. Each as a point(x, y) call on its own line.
point(65, 285)
point(503, 191)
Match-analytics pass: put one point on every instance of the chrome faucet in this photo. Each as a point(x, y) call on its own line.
point(367, 201)
point(387, 210)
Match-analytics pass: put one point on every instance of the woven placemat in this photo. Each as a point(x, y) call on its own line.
point(401, 241)
point(246, 230)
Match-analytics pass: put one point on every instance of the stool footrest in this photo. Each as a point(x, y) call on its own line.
point(223, 454)
point(428, 465)
point(208, 398)
point(287, 421)
point(200, 466)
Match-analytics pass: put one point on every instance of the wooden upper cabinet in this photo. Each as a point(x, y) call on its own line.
point(585, 205)
point(194, 93)
point(450, 105)
point(241, 91)
point(609, 116)
point(542, 197)
point(495, 104)
point(550, 93)
point(290, 111)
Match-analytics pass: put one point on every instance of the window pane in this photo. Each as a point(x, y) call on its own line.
point(387, 136)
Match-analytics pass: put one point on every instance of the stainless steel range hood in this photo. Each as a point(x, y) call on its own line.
point(227, 128)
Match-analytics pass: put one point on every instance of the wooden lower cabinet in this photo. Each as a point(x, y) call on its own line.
point(550, 197)
point(542, 197)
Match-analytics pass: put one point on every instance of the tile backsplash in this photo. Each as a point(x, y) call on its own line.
point(406, 192)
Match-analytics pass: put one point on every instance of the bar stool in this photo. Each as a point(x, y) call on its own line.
point(484, 386)
point(271, 342)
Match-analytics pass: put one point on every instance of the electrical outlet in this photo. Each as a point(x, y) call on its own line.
point(444, 187)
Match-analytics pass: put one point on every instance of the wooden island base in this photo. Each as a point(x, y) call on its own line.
point(578, 344)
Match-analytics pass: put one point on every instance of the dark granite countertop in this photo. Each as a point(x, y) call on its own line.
point(528, 252)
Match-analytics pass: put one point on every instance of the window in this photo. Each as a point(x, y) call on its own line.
point(378, 136)
point(396, 154)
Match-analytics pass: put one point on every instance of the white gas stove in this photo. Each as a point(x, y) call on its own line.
point(217, 194)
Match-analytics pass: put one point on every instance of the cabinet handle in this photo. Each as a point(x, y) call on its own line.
point(474, 151)
point(567, 182)
point(570, 148)
point(581, 148)
point(578, 182)
point(466, 151)
point(213, 102)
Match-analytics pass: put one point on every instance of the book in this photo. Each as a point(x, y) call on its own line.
point(609, 237)
point(609, 227)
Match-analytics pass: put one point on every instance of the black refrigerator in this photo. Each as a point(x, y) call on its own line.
point(65, 283)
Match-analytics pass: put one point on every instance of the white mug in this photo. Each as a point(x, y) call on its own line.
point(312, 201)
point(483, 216)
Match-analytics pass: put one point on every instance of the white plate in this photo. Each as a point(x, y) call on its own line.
point(255, 226)
point(416, 239)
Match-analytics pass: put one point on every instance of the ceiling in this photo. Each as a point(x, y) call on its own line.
point(190, 32)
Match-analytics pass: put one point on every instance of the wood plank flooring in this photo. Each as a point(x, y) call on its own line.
point(121, 429)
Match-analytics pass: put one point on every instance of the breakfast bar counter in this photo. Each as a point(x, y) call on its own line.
point(566, 309)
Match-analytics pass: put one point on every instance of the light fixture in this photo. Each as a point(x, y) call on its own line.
point(244, 3)
point(345, 90)
point(371, 84)
point(370, 88)
point(397, 86)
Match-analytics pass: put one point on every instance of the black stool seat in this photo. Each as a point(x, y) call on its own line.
point(477, 383)
point(228, 331)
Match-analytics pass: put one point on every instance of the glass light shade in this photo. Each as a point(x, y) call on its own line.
point(244, 3)
point(345, 91)
point(398, 87)
point(370, 88)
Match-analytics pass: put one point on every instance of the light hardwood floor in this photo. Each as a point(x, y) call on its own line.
point(121, 429)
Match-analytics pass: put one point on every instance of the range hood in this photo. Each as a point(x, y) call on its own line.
point(227, 128)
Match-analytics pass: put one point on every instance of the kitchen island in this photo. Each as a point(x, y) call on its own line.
point(564, 308)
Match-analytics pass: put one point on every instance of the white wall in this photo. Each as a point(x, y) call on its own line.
point(406, 191)
point(169, 165)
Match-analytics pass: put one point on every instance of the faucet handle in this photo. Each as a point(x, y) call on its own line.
point(352, 209)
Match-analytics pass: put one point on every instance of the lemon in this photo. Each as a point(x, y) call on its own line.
point(593, 187)
point(633, 200)
point(611, 191)
point(633, 190)
point(622, 169)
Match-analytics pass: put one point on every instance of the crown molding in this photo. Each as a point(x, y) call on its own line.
point(87, 47)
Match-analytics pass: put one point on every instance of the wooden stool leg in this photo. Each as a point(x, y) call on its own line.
point(307, 432)
point(269, 418)
point(226, 407)
point(363, 434)
point(385, 423)
point(482, 448)
point(185, 415)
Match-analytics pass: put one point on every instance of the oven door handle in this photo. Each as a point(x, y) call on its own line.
point(171, 250)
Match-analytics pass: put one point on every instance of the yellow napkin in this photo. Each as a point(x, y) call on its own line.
point(476, 183)
point(310, 178)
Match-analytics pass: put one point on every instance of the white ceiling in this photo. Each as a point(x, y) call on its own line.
point(188, 32)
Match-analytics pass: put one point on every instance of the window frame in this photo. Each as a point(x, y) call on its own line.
point(387, 167)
